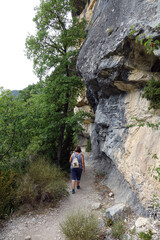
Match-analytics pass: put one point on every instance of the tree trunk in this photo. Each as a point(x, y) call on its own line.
point(60, 144)
point(61, 138)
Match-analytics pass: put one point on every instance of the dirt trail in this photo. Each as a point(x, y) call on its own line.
point(45, 226)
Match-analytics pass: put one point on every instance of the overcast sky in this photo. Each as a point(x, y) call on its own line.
point(16, 71)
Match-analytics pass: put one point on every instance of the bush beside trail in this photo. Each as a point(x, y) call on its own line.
point(6, 192)
point(81, 226)
point(42, 183)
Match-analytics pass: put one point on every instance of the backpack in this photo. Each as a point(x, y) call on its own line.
point(75, 162)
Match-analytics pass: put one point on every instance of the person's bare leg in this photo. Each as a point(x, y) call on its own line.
point(78, 182)
point(73, 184)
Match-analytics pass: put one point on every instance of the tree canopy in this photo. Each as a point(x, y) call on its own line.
point(41, 119)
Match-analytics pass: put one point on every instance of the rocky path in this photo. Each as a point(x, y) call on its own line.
point(45, 226)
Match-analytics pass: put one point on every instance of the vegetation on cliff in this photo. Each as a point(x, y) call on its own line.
point(151, 43)
point(152, 93)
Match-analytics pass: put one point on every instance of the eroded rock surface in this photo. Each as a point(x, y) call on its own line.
point(115, 69)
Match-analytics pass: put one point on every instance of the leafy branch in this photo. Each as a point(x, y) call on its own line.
point(149, 42)
point(142, 123)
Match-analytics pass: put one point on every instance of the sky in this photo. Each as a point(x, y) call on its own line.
point(16, 71)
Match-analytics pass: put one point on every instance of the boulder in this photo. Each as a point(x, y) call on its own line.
point(116, 211)
point(27, 238)
point(142, 224)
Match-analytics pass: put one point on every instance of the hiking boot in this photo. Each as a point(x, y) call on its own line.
point(73, 191)
point(78, 187)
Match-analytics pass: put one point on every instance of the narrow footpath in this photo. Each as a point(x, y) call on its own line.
point(45, 225)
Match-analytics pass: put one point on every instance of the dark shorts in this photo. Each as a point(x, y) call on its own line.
point(76, 173)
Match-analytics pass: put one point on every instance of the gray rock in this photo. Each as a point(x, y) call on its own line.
point(142, 224)
point(96, 206)
point(116, 211)
point(28, 238)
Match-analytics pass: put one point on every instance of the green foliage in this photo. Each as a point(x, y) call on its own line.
point(155, 172)
point(155, 202)
point(40, 121)
point(8, 121)
point(6, 192)
point(149, 42)
point(133, 231)
point(142, 123)
point(80, 226)
point(89, 146)
point(109, 221)
point(152, 93)
point(145, 236)
point(132, 30)
point(56, 32)
point(54, 49)
point(42, 182)
point(118, 229)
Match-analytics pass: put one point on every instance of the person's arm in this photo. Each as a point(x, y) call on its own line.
point(70, 160)
point(83, 163)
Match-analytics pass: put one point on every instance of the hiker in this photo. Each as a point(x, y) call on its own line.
point(77, 166)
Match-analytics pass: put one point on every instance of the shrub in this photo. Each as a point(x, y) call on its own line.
point(42, 182)
point(118, 229)
point(109, 222)
point(80, 226)
point(26, 192)
point(145, 236)
point(6, 192)
point(89, 147)
point(152, 93)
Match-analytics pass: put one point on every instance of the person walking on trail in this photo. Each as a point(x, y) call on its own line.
point(77, 166)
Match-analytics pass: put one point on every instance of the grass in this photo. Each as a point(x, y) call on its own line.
point(80, 226)
point(118, 229)
point(6, 192)
point(145, 236)
point(42, 182)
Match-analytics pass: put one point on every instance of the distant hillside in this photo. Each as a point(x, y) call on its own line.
point(15, 92)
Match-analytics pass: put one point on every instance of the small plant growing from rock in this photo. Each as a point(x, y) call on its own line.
point(109, 221)
point(109, 31)
point(152, 93)
point(155, 201)
point(118, 229)
point(89, 146)
point(155, 173)
point(145, 236)
point(149, 42)
point(133, 231)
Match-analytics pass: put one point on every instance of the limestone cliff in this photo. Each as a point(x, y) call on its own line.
point(115, 69)
point(83, 105)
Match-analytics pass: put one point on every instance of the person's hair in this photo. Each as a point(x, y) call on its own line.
point(77, 149)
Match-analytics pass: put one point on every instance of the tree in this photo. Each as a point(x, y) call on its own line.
point(8, 121)
point(15, 124)
point(54, 49)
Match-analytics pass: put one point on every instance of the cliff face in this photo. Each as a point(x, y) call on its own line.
point(115, 69)
point(84, 136)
